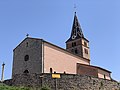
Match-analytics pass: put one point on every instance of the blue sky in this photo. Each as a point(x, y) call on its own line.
point(52, 21)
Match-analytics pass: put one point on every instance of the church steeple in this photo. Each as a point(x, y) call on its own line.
point(76, 30)
point(77, 43)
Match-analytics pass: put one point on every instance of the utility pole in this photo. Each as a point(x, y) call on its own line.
point(55, 77)
point(55, 83)
point(2, 76)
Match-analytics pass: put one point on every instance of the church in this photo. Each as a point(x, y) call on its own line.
point(37, 56)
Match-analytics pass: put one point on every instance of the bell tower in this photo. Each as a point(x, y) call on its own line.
point(77, 43)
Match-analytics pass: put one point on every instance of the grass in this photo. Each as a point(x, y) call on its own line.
point(5, 87)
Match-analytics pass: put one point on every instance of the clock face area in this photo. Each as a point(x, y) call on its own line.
point(73, 36)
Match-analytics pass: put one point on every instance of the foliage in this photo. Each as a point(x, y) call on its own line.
point(5, 87)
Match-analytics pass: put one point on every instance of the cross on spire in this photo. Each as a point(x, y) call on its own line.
point(76, 30)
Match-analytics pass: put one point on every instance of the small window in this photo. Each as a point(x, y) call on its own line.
point(85, 44)
point(86, 51)
point(27, 44)
point(104, 76)
point(76, 51)
point(50, 70)
point(26, 72)
point(26, 58)
point(73, 44)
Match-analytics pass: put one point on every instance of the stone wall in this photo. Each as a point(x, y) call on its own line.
point(33, 49)
point(8, 82)
point(66, 82)
point(80, 82)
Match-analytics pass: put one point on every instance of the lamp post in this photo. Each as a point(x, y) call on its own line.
point(55, 83)
point(41, 77)
point(55, 77)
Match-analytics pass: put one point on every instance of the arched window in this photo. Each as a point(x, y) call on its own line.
point(26, 72)
point(86, 51)
point(26, 58)
point(104, 76)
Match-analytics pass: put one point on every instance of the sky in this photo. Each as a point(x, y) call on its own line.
point(52, 21)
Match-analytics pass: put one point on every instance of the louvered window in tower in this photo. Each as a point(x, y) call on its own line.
point(86, 51)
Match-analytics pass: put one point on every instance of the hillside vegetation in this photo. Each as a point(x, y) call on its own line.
point(5, 87)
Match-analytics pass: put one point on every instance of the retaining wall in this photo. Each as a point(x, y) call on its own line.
point(66, 82)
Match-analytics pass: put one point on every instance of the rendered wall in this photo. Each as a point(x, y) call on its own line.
point(60, 60)
point(71, 48)
point(101, 74)
point(83, 49)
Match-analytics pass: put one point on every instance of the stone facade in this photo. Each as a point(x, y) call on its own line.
point(32, 48)
point(66, 82)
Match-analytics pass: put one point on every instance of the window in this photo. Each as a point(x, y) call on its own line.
point(76, 51)
point(85, 44)
point(26, 72)
point(86, 51)
point(27, 44)
point(73, 44)
point(104, 76)
point(50, 70)
point(26, 58)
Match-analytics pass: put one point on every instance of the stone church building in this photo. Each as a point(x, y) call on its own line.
point(37, 56)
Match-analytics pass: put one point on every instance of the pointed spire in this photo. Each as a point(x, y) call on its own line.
point(76, 28)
